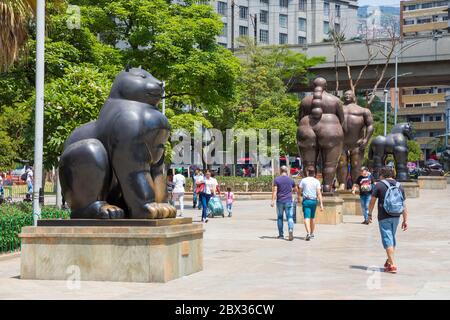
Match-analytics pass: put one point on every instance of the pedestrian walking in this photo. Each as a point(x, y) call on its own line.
point(1, 188)
point(207, 187)
point(310, 191)
point(229, 201)
point(195, 195)
point(29, 180)
point(179, 182)
point(282, 189)
point(391, 205)
point(365, 184)
point(170, 187)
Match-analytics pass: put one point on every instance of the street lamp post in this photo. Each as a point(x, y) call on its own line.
point(447, 119)
point(385, 99)
point(39, 112)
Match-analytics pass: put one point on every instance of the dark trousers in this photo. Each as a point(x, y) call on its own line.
point(204, 199)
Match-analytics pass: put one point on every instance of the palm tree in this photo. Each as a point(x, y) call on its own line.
point(14, 15)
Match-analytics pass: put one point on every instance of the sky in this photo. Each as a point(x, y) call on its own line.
point(379, 2)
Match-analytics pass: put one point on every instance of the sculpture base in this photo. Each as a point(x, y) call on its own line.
point(331, 214)
point(112, 253)
point(411, 188)
point(352, 203)
point(432, 182)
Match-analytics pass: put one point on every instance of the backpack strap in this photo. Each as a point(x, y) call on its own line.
point(386, 183)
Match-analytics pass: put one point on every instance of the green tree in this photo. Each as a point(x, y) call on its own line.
point(175, 42)
point(414, 151)
point(71, 101)
point(264, 101)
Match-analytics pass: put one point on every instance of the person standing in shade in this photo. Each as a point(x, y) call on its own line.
point(365, 184)
point(391, 205)
point(282, 189)
point(309, 189)
point(179, 182)
point(208, 188)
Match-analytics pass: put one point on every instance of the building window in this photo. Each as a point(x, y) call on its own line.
point(326, 9)
point(438, 118)
point(222, 8)
point(337, 8)
point(301, 40)
point(427, 5)
point(243, 31)
point(264, 1)
point(423, 20)
point(410, 7)
point(408, 22)
point(284, 3)
point(337, 27)
point(302, 5)
point(301, 24)
point(283, 21)
point(326, 27)
point(283, 38)
point(263, 36)
point(243, 12)
point(264, 16)
point(223, 44)
point(224, 30)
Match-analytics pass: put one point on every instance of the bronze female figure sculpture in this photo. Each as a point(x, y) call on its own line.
point(358, 129)
point(113, 167)
point(320, 131)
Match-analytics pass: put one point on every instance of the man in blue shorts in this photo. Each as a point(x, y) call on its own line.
point(309, 189)
point(388, 222)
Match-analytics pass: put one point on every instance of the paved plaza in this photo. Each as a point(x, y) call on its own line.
point(244, 260)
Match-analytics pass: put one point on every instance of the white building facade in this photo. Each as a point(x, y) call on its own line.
point(286, 21)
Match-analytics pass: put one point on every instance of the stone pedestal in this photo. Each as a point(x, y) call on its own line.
point(352, 204)
point(112, 250)
point(432, 182)
point(331, 214)
point(411, 188)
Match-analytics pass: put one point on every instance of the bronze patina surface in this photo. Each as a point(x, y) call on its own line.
point(113, 167)
point(358, 129)
point(320, 132)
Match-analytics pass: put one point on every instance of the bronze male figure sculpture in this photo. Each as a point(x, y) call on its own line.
point(113, 167)
point(320, 132)
point(358, 129)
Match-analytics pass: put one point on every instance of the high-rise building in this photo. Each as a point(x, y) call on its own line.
point(286, 21)
point(424, 106)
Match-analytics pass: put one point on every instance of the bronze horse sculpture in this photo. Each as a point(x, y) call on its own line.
point(395, 143)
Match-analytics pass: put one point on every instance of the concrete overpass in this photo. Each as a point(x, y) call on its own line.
point(428, 60)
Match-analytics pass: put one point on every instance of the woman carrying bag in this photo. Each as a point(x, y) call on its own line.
point(206, 188)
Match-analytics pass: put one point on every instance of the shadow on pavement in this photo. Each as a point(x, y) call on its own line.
point(365, 268)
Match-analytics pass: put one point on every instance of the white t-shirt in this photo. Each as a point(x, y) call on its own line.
point(210, 185)
point(309, 187)
point(179, 180)
point(29, 175)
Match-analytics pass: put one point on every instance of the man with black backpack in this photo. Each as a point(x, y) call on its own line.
point(391, 205)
